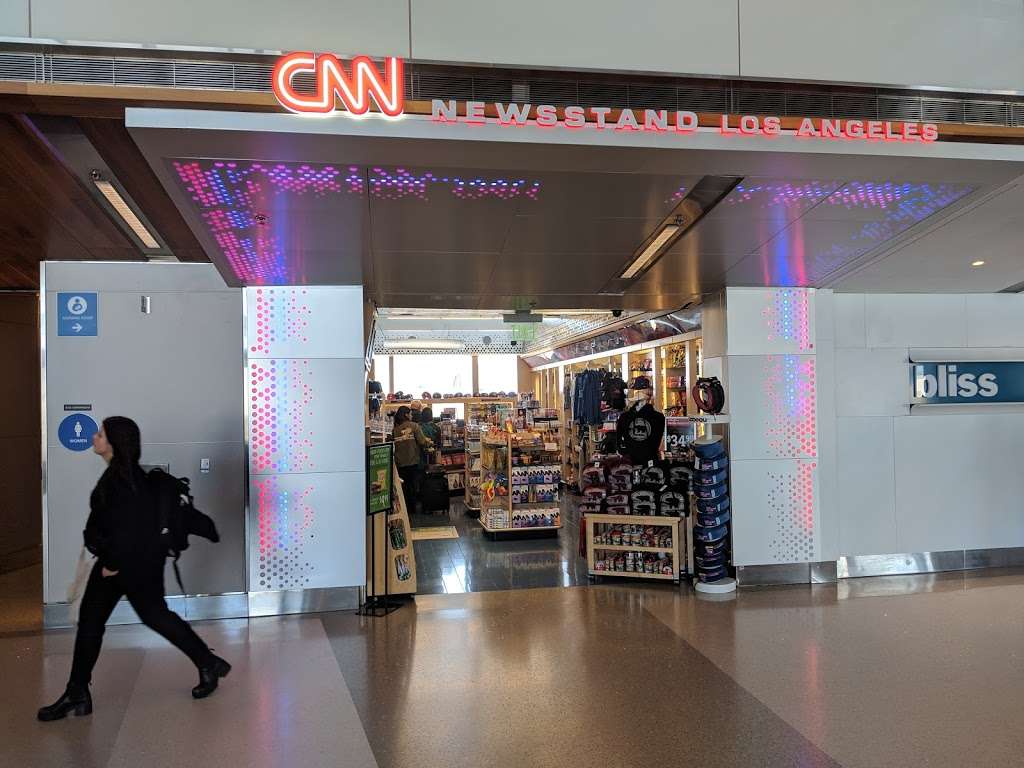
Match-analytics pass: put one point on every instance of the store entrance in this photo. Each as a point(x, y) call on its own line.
point(497, 447)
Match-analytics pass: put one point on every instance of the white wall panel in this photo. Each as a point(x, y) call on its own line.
point(824, 315)
point(766, 321)
point(774, 518)
point(713, 325)
point(866, 487)
point(916, 320)
point(958, 482)
point(176, 371)
point(975, 45)
point(850, 320)
point(772, 406)
point(305, 322)
point(995, 320)
point(14, 18)
point(681, 36)
point(340, 26)
point(302, 533)
point(872, 382)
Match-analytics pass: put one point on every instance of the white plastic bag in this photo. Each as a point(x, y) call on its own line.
point(76, 589)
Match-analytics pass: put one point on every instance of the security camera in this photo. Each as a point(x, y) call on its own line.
point(616, 313)
point(514, 343)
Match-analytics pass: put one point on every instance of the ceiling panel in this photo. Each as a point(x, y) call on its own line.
point(732, 236)
point(419, 226)
point(940, 259)
point(556, 272)
point(421, 272)
point(882, 200)
point(579, 235)
point(607, 195)
point(774, 199)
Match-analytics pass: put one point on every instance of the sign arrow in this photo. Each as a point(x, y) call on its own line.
point(77, 327)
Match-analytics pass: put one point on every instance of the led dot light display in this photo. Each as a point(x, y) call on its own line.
point(791, 513)
point(245, 204)
point(281, 316)
point(280, 435)
point(787, 317)
point(285, 519)
point(790, 424)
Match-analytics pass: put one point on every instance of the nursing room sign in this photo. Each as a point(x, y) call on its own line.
point(77, 314)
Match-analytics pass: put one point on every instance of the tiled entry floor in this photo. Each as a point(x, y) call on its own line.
point(475, 563)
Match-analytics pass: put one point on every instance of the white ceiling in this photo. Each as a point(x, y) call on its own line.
point(550, 217)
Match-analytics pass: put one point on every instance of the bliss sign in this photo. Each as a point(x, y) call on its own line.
point(963, 383)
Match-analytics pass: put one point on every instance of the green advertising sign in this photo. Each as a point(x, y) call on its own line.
point(378, 477)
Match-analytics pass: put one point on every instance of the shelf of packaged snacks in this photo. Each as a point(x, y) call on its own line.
point(628, 548)
point(674, 551)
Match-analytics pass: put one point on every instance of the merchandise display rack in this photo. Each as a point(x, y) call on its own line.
point(472, 470)
point(508, 456)
point(601, 527)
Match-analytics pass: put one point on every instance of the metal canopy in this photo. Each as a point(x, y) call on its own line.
point(456, 216)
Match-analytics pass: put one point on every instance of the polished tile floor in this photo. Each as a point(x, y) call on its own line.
point(476, 563)
point(909, 671)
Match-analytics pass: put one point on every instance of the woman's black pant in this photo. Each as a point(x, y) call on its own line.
point(146, 595)
point(410, 486)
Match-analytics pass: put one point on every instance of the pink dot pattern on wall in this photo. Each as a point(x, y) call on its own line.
point(791, 424)
point(280, 398)
point(282, 317)
point(791, 514)
point(285, 521)
point(787, 317)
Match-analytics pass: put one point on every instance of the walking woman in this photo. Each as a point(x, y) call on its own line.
point(123, 531)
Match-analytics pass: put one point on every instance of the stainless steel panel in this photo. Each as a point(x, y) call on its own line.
point(892, 586)
point(824, 573)
point(855, 566)
point(196, 608)
point(994, 558)
point(303, 601)
point(772, 575)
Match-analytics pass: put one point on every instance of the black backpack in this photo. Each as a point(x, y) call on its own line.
point(178, 516)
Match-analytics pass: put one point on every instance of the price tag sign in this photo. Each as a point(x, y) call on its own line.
point(679, 432)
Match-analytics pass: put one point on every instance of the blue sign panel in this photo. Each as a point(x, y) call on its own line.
point(77, 314)
point(966, 383)
point(76, 431)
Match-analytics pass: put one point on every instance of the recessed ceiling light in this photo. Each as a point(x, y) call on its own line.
point(978, 263)
point(121, 207)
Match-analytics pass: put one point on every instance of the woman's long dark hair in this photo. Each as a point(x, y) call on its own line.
point(126, 441)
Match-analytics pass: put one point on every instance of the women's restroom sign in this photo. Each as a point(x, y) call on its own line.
point(75, 432)
point(77, 314)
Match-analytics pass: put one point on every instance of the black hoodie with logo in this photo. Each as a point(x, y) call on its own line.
point(640, 431)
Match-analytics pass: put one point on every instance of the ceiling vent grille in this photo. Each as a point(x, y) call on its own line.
point(560, 93)
point(486, 89)
point(147, 72)
point(204, 74)
point(899, 108)
point(653, 97)
point(605, 94)
point(1017, 115)
point(809, 103)
point(862, 105)
point(702, 98)
point(20, 66)
point(253, 77)
point(753, 101)
point(942, 110)
point(986, 112)
point(82, 69)
point(437, 85)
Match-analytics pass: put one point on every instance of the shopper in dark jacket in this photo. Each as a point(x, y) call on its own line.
point(123, 531)
point(409, 444)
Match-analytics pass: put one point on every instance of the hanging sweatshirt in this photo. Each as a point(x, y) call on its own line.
point(640, 431)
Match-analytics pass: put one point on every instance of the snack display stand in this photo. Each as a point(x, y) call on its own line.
point(519, 483)
point(634, 546)
point(389, 550)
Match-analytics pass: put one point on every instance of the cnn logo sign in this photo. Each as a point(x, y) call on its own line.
point(356, 87)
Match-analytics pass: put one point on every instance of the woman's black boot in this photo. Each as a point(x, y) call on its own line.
point(209, 676)
point(76, 701)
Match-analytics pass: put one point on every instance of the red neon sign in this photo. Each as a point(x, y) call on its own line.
point(356, 89)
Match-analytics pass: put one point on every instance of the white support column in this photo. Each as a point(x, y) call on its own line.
point(304, 398)
point(770, 366)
